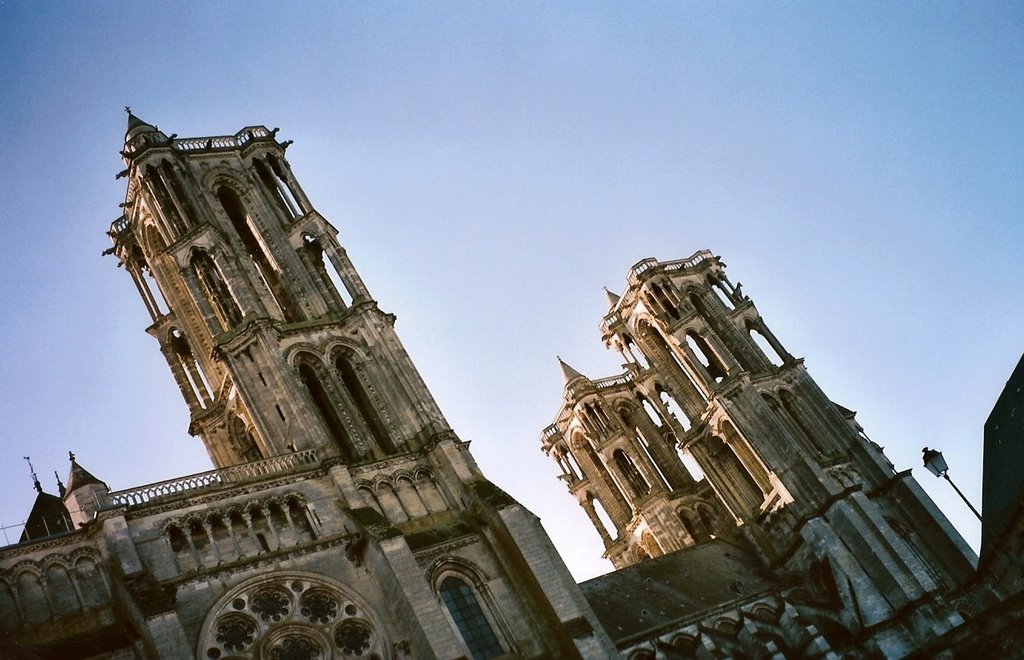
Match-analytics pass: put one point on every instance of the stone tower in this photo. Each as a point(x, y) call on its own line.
point(344, 518)
point(776, 466)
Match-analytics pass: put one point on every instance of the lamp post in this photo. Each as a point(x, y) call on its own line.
point(936, 464)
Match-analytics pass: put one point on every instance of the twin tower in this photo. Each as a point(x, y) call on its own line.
point(344, 517)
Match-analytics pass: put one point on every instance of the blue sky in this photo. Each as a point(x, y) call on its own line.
point(491, 166)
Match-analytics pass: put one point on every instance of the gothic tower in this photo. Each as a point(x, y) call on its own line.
point(774, 464)
point(338, 478)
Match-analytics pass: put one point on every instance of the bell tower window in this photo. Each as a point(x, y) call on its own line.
point(265, 268)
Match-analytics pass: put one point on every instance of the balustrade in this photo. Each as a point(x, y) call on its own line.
point(213, 479)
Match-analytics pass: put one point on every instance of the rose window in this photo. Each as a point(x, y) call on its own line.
point(236, 632)
point(295, 648)
point(293, 617)
point(270, 605)
point(352, 637)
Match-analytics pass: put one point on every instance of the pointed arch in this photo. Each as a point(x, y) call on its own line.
point(312, 377)
point(262, 261)
point(359, 395)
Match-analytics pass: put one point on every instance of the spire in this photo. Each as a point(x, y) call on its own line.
point(568, 373)
point(60, 484)
point(134, 122)
point(79, 476)
point(613, 299)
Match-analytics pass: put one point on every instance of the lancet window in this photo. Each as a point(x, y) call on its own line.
point(264, 265)
point(215, 289)
point(627, 468)
point(469, 618)
point(358, 394)
point(332, 421)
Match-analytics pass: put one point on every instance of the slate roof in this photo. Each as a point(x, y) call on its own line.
point(676, 589)
point(49, 516)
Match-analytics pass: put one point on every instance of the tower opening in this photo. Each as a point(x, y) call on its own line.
point(265, 268)
point(328, 414)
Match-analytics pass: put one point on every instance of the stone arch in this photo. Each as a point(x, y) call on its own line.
point(279, 613)
point(461, 588)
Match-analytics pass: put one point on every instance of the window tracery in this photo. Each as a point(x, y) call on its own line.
point(293, 617)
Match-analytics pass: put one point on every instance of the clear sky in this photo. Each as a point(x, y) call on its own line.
point(491, 166)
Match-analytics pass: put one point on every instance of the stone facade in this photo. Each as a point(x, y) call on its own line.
point(715, 431)
point(343, 518)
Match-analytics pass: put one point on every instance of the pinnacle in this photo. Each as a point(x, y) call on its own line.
point(613, 299)
point(79, 476)
point(134, 122)
point(568, 373)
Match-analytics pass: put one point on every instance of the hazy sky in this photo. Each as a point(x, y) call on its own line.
point(491, 166)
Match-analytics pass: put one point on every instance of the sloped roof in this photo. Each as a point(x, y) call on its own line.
point(676, 588)
point(79, 477)
point(49, 516)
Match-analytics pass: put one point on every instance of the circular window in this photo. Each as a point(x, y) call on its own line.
point(318, 606)
point(352, 637)
point(271, 604)
point(236, 632)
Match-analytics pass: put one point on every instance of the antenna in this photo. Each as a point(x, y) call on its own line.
point(32, 471)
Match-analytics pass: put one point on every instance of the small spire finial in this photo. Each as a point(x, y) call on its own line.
point(128, 109)
point(60, 484)
point(71, 457)
point(32, 471)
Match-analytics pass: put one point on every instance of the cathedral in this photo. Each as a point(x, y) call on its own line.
point(746, 514)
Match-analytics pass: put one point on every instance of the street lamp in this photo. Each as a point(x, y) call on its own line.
point(936, 464)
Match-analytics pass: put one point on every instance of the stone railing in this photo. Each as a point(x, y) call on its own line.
point(235, 141)
point(194, 483)
point(149, 139)
point(650, 263)
point(117, 227)
point(613, 381)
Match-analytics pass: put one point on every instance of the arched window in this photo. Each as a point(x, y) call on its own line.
point(669, 306)
point(359, 396)
point(265, 268)
point(332, 422)
point(469, 618)
point(700, 348)
point(166, 204)
point(215, 289)
point(673, 408)
point(275, 188)
point(193, 376)
point(628, 470)
point(766, 347)
point(326, 270)
point(649, 409)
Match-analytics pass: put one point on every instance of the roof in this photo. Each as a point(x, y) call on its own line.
point(49, 516)
point(79, 477)
point(677, 588)
point(568, 373)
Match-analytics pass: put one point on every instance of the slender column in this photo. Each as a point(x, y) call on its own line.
point(147, 296)
point(192, 546)
point(168, 185)
point(208, 528)
point(596, 521)
point(247, 517)
point(297, 191)
point(181, 379)
point(774, 342)
point(206, 310)
point(197, 378)
point(265, 510)
point(177, 228)
point(234, 539)
point(346, 271)
point(666, 460)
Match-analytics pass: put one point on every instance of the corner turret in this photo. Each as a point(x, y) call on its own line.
point(85, 494)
